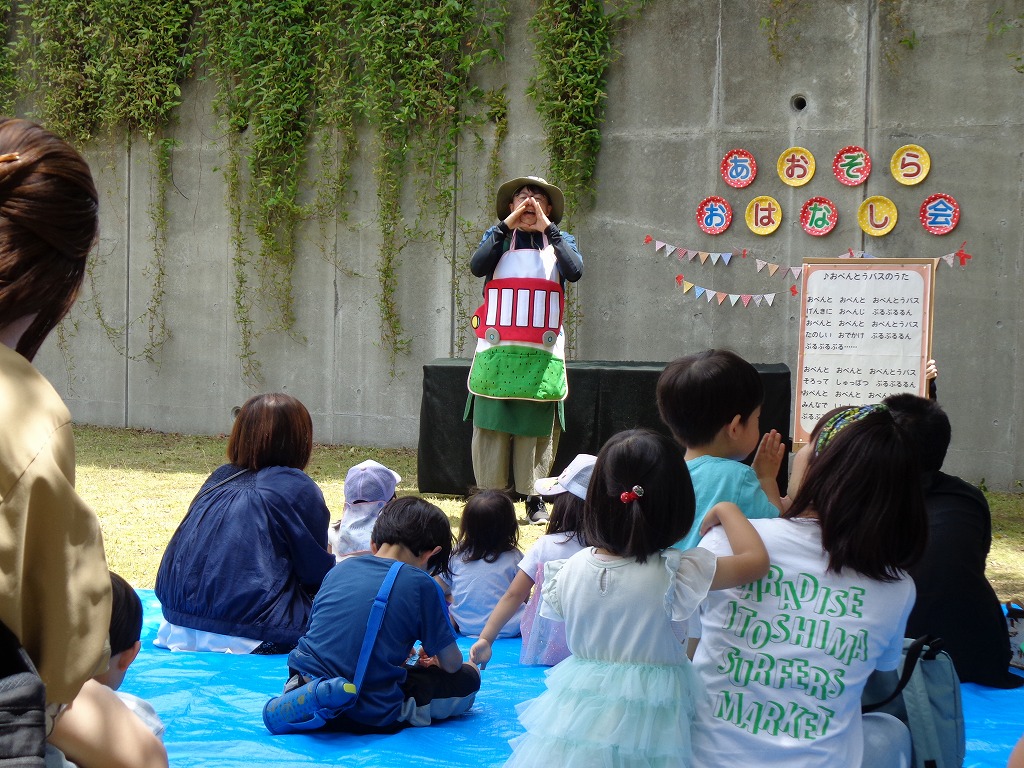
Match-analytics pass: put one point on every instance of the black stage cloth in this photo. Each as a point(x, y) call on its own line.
point(604, 398)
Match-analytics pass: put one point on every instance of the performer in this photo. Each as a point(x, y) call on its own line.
point(517, 381)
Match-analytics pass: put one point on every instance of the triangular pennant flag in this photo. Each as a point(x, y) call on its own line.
point(726, 257)
point(757, 299)
point(703, 256)
point(714, 257)
point(697, 291)
point(948, 258)
point(733, 298)
point(680, 253)
point(721, 297)
point(691, 254)
point(687, 286)
point(796, 271)
point(746, 299)
point(709, 295)
point(760, 264)
point(772, 269)
point(658, 245)
point(770, 298)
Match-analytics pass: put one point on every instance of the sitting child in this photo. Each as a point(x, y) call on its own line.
point(369, 485)
point(712, 403)
point(484, 563)
point(394, 694)
point(125, 644)
point(543, 638)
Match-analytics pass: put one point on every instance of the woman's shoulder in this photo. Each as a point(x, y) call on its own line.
point(286, 478)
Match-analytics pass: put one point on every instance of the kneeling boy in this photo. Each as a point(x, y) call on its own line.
point(394, 694)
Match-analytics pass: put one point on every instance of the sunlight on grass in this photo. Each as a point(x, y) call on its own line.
point(140, 483)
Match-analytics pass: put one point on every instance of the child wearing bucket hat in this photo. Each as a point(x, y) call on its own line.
point(517, 381)
point(369, 485)
point(543, 638)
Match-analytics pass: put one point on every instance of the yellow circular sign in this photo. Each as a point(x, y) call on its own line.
point(877, 215)
point(764, 214)
point(910, 164)
point(796, 166)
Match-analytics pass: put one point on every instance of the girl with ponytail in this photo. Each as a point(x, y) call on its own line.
point(627, 695)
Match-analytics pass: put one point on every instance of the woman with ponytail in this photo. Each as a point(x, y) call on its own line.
point(626, 696)
point(56, 595)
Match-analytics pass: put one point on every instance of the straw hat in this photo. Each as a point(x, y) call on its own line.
point(509, 188)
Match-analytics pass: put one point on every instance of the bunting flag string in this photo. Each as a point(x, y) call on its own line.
point(711, 295)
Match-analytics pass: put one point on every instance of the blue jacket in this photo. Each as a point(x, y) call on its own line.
point(248, 556)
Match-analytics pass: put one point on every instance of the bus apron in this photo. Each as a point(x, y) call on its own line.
point(520, 350)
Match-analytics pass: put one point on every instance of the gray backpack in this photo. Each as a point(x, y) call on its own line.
point(22, 706)
point(927, 700)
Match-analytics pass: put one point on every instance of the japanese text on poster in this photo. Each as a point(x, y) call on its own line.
point(865, 333)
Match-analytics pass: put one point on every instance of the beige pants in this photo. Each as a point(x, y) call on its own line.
point(531, 458)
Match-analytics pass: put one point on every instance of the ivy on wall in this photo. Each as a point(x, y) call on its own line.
point(261, 56)
point(98, 66)
point(293, 74)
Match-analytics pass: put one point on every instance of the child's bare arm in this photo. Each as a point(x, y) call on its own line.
point(749, 560)
point(767, 461)
point(516, 594)
point(450, 658)
point(98, 731)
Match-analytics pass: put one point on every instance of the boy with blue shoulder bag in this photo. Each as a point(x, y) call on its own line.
point(351, 671)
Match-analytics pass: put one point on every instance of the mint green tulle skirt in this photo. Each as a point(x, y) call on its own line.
point(599, 714)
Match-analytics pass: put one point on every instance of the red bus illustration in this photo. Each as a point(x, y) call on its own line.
point(520, 309)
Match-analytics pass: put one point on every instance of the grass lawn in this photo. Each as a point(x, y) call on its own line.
point(140, 484)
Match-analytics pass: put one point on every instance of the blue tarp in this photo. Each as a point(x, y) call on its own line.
point(212, 706)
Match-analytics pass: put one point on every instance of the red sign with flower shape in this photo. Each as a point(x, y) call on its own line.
point(819, 216)
point(940, 213)
point(738, 168)
point(714, 215)
point(852, 166)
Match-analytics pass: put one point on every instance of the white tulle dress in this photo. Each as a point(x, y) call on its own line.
point(626, 696)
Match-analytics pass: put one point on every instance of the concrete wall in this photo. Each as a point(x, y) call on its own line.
point(694, 80)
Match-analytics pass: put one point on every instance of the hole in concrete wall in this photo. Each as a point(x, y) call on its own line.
point(798, 103)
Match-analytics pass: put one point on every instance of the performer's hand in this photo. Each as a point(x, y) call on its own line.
point(512, 220)
point(931, 371)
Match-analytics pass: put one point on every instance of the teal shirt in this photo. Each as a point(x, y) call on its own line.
point(716, 479)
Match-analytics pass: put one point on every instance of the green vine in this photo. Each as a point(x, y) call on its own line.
point(1001, 22)
point(415, 58)
point(780, 25)
point(573, 52)
point(8, 67)
point(104, 65)
point(897, 37)
point(261, 56)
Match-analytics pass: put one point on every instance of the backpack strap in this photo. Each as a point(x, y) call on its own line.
point(911, 654)
point(380, 604)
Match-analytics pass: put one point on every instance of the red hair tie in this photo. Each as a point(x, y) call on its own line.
point(633, 495)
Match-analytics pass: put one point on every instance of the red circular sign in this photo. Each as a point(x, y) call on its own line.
point(852, 165)
point(714, 215)
point(940, 213)
point(738, 168)
point(819, 216)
